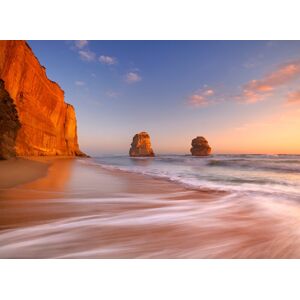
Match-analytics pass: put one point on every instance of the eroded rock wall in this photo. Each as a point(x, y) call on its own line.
point(47, 124)
point(9, 124)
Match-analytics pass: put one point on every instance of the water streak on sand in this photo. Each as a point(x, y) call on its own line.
point(109, 214)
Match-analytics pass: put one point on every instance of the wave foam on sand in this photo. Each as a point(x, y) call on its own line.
point(84, 211)
point(161, 228)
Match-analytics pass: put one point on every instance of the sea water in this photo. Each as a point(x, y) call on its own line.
point(276, 176)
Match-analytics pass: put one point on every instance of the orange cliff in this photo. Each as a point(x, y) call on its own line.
point(34, 119)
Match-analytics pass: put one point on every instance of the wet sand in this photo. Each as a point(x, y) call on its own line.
point(21, 170)
point(70, 208)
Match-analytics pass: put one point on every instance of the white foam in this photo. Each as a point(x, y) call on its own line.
point(128, 232)
point(197, 173)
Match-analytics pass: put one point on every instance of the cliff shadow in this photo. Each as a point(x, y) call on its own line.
point(9, 124)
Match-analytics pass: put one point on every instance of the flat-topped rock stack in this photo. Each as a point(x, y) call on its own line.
point(200, 147)
point(141, 145)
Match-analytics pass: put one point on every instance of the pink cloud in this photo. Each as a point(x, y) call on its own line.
point(81, 44)
point(293, 97)
point(208, 92)
point(257, 90)
point(132, 77)
point(107, 60)
point(201, 98)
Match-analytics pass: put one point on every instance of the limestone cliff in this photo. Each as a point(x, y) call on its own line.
point(141, 145)
point(34, 118)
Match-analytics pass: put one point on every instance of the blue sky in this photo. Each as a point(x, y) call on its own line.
point(241, 95)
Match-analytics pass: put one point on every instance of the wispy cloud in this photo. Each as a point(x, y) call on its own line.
point(81, 44)
point(81, 47)
point(259, 89)
point(201, 98)
point(87, 55)
point(293, 97)
point(107, 60)
point(132, 77)
point(79, 83)
point(112, 94)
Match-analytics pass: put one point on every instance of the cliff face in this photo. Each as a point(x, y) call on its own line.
point(37, 120)
point(9, 124)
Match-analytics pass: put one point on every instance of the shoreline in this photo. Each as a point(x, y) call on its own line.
point(24, 170)
point(80, 210)
point(172, 183)
point(119, 172)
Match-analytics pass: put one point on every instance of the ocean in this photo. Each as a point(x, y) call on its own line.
point(275, 176)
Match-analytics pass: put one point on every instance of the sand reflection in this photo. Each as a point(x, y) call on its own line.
point(59, 174)
point(80, 210)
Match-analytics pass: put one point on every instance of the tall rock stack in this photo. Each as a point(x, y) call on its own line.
point(200, 147)
point(34, 118)
point(141, 145)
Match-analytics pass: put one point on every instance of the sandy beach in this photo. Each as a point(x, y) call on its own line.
point(21, 170)
point(70, 208)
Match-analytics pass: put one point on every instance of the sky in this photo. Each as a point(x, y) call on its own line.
point(242, 96)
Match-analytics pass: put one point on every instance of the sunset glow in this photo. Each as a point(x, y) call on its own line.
point(243, 96)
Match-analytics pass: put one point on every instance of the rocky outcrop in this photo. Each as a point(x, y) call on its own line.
point(35, 120)
point(9, 124)
point(141, 145)
point(200, 147)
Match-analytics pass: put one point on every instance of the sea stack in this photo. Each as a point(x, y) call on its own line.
point(200, 147)
point(141, 145)
point(34, 118)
